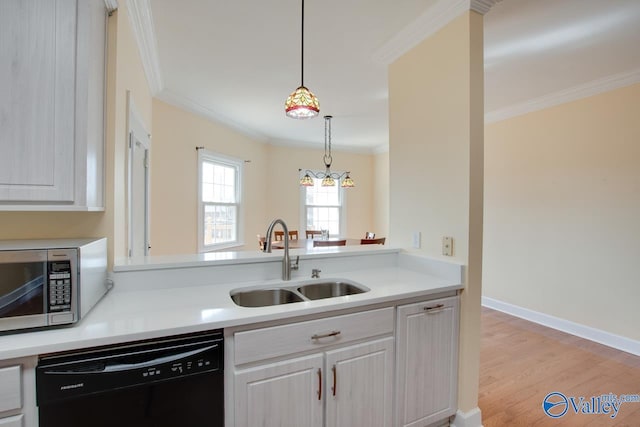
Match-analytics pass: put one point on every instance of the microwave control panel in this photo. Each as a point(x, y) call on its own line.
point(59, 274)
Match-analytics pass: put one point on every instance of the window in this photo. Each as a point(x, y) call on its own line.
point(323, 208)
point(219, 201)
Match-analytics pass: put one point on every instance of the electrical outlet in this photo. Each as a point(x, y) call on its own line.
point(416, 239)
point(447, 246)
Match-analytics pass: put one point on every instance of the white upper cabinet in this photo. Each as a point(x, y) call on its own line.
point(52, 85)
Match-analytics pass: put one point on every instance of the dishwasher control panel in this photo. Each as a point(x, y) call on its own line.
point(62, 376)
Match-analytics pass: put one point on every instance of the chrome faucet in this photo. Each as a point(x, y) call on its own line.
point(287, 265)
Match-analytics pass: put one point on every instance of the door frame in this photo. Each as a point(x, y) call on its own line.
point(137, 127)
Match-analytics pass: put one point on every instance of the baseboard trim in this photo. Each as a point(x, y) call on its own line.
point(582, 331)
point(472, 418)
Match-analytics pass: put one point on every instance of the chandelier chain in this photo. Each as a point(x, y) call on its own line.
point(327, 141)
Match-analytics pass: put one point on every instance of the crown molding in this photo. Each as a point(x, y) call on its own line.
point(141, 21)
point(482, 6)
point(574, 93)
point(427, 24)
point(380, 149)
point(319, 147)
point(194, 107)
point(111, 5)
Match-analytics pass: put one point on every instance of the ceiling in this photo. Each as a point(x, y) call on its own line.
point(237, 61)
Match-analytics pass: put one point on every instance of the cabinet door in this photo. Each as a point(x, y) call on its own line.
point(37, 105)
point(283, 394)
point(427, 361)
point(17, 421)
point(360, 384)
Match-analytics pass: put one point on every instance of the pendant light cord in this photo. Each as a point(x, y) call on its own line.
point(302, 48)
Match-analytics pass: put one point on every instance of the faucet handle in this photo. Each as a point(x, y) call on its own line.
point(315, 273)
point(294, 266)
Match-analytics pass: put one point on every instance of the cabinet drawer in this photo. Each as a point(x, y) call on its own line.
point(259, 344)
point(10, 389)
point(16, 421)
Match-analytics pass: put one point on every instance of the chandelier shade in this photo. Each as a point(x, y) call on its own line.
point(328, 178)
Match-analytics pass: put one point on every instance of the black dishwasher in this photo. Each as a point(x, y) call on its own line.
point(170, 382)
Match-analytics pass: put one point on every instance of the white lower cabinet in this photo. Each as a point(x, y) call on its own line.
point(18, 393)
point(345, 382)
point(284, 394)
point(427, 361)
point(360, 385)
point(16, 421)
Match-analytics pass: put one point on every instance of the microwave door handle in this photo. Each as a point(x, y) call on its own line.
point(165, 359)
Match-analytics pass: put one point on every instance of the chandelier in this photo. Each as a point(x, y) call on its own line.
point(328, 178)
point(302, 104)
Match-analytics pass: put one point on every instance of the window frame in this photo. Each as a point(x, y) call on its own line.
point(205, 155)
point(342, 207)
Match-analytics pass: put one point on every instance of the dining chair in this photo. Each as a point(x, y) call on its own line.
point(311, 233)
point(342, 242)
point(369, 235)
point(379, 241)
point(293, 235)
point(278, 235)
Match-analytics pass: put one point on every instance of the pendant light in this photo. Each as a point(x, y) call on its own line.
point(302, 104)
point(328, 178)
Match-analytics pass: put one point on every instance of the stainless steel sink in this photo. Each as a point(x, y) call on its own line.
point(329, 289)
point(264, 297)
point(296, 292)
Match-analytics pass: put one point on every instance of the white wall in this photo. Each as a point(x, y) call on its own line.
point(562, 211)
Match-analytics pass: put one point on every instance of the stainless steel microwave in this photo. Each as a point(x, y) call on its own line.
point(47, 283)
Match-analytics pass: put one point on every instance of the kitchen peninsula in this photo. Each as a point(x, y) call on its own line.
point(407, 297)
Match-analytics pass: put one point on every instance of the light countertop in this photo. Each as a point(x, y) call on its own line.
point(151, 313)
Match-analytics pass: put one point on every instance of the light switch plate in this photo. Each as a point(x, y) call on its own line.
point(447, 246)
point(416, 240)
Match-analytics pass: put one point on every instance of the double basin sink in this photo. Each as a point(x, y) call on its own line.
point(302, 291)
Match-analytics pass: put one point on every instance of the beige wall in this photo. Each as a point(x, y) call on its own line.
point(174, 177)
point(562, 211)
point(381, 194)
point(284, 189)
point(435, 156)
point(124, 73)
point(271, 189)
point(129, 78)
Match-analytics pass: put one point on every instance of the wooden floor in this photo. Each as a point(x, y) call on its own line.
point(521, 362)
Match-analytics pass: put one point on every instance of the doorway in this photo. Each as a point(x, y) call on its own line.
point(138, 184)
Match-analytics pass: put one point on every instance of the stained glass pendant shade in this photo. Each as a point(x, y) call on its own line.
point(302, 103)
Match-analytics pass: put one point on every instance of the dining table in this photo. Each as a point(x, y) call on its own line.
point(308, 243)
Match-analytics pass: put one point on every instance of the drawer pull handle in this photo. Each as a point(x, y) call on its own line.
point(433, 307)
point(327, 335)
point(335, 384)
point(319, 384)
